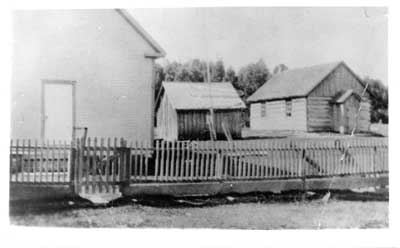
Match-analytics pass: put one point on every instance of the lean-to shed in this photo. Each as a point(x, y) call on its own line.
point(318, 98)
point(183, 110)
point(82, 68)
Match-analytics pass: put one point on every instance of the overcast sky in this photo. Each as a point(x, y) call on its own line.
point(296, 37)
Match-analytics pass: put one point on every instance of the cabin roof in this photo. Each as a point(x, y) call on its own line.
point(295, 83)
point(190, 96)
point(343, 96)
point(136, 26)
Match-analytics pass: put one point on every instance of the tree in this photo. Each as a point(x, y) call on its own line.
point(379, 100)
point(217, 71)
point(171, 71)
point(280, 68)
point(230, 75)
point(197, 70)
point(251, 77)
point(183, 74)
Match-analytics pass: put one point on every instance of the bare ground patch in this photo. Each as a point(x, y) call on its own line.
point(257, 211)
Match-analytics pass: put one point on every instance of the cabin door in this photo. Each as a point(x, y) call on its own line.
point(58, 110)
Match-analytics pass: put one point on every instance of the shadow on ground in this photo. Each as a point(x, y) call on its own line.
point(48, 207)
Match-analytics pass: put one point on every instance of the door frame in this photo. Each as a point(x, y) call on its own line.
point(43, 110)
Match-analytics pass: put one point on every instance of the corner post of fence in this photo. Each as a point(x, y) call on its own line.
point(76, 163)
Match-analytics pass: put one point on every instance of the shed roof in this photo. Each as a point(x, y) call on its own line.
point(189, 95)
point(294, 83)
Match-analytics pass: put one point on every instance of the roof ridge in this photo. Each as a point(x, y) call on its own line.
point(311, 66)
point(304, 80)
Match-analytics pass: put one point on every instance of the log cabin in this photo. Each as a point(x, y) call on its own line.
point(82, 68)
point(183, 110)
point(321, 98)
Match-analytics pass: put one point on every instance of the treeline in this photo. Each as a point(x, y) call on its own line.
point(246, 80)
point(250, 77)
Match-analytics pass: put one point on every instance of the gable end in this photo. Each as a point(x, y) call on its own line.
point(159, 52)
point(341, 78)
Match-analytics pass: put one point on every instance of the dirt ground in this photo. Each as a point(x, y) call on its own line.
point(242, 212)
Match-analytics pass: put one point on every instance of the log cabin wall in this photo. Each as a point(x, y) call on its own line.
point(319, 114)
point(275, 115)
point(322, 115)
point(350, 118)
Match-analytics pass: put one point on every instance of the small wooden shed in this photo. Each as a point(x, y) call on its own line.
point(183, 110)
point(324, 97)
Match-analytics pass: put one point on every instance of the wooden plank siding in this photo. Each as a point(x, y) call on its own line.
point(340, 79)
point(113, 81)
point(314, 110)
point(276, 118)
point(324, 116)
point(192, 124)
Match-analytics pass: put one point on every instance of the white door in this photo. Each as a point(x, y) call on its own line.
point(58, 111)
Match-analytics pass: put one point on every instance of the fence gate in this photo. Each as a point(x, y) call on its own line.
point(98, 166)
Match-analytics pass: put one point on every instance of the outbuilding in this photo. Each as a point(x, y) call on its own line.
point(183, 111)
point(82, 68)
point(324, 97)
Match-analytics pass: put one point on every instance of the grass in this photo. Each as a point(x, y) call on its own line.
point(336, 213)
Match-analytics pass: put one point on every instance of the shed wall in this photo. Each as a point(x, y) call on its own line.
point(276, 118)
point(192, 124)
point(97, 49)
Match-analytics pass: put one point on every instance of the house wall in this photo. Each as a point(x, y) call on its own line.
point(319, 114)
point(364, 118)
point(167, 120)
point(322, 116)
point(340, 79)
point(276, 118)
point(97, 49)
point(349, 120)
point(192, 124)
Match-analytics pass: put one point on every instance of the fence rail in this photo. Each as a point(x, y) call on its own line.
point(265, 159)
point(100, 164)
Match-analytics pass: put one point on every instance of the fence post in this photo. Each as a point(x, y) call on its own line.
point(72, 167)
point(218, 162)
point(123, 149)
point(304, 171)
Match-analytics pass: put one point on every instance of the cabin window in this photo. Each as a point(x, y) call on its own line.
point(288, 107)
point(263, 109)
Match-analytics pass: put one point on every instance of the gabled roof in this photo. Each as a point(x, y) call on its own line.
point(136, 26)
point(190, 96)
point(295, 83)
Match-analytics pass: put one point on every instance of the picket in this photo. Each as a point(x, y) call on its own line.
point(97, 165)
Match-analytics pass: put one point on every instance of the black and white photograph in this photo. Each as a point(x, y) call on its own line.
point(260, 118)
